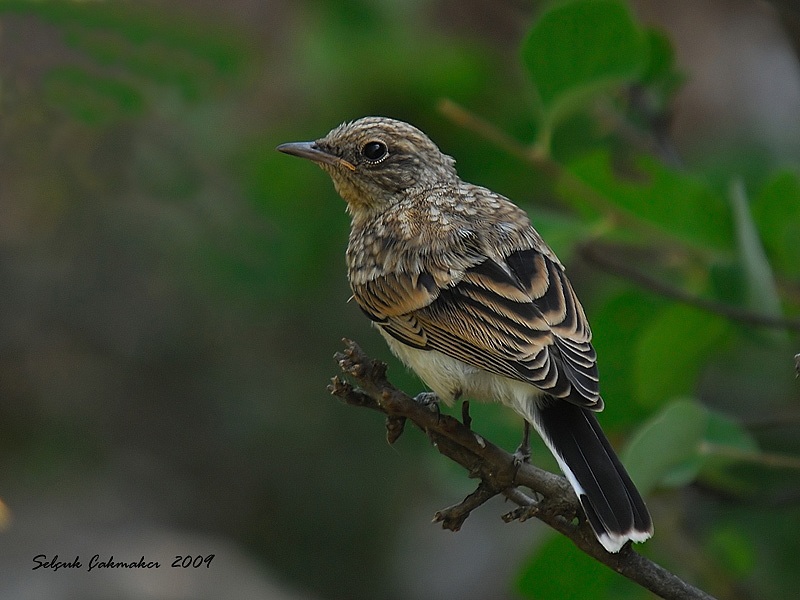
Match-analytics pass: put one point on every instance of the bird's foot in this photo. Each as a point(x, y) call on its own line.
point(522, 455)
point(430, 401)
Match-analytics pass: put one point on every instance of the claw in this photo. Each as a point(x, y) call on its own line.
point(427, 399)
point(430, 401)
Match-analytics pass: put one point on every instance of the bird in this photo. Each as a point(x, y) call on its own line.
point(469, 296)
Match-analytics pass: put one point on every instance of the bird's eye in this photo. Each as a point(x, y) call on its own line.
point(374, 151)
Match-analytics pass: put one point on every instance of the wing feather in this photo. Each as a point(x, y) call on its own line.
point(518, 317)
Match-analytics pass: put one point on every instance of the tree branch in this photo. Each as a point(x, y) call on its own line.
point(498, 473)
point(595, 255)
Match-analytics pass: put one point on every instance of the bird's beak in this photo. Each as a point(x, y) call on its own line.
point(311, 151)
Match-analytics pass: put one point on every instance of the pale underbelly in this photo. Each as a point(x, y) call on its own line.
point(452, 379)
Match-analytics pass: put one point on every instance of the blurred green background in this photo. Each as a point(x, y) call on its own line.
point(173, 289)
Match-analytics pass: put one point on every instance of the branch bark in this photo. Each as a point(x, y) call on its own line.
point(555, 503)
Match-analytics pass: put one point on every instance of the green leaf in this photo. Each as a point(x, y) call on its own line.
point(678, 203)
point(615, 324)
point(558, 570)
point(732, 548)
point(660, 71)
point(776, 212)
point(658, 82)
point(672, 350)
point(562, 232)
point(726, 443)
point(578, 49)
point(725, 431)
point(666, 449)
point(660, 57)
point(727, 281)
point(681, 443)
point(762, 292)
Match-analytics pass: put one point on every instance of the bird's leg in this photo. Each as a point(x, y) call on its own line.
point(465, 417)
point(523, 451)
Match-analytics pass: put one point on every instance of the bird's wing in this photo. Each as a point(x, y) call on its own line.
point(518, 317)
point(393, 299)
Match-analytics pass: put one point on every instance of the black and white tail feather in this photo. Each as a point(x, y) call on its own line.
point(613, 505)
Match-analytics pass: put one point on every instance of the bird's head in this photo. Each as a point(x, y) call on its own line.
point(375, 162)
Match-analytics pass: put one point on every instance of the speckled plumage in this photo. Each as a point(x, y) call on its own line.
point(466, 293)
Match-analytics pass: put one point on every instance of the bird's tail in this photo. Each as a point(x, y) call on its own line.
point(612, 503)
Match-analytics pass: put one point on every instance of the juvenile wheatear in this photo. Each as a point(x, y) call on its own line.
point(468, 295)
